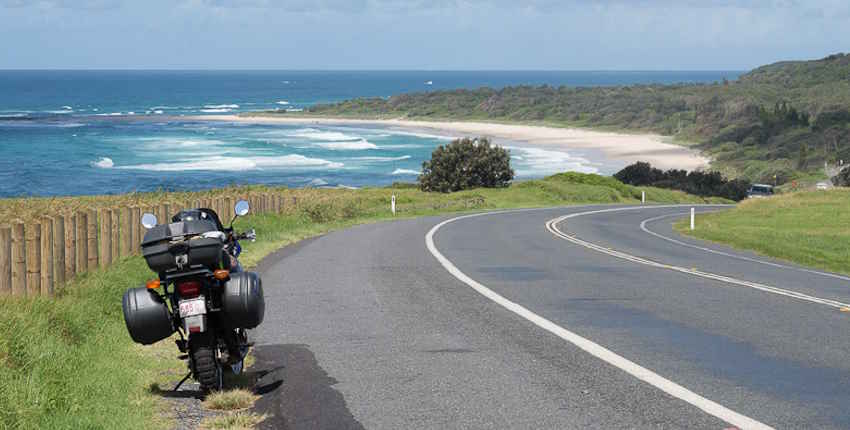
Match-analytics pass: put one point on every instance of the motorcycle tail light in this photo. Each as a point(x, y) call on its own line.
point(189, 288)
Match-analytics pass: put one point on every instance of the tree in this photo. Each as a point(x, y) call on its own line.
point(466, 163)
point(640, 173)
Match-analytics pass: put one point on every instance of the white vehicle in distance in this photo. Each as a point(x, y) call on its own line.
point(822, 186)
point(759, 190)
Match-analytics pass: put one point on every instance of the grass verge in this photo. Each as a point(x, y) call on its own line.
point(236, 421)
point(230, 400)
point(68, 362)
point(808, 228)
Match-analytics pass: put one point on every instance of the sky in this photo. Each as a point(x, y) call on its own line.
point(418, 34)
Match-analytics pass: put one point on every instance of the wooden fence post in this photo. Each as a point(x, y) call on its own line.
point(81, 240)
point(104, 223)
point(47, 257)
point(33, 235)
point(19, 260)
point(115, 235)
point(5, 260)
point(126, 232)
point(91, 239)
point(142, 229)
point(58, 250)
point(135, 230)
point(165, 210)
point(70, 246)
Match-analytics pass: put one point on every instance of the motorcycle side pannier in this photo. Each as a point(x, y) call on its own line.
point(146, 316)
point(242, 301)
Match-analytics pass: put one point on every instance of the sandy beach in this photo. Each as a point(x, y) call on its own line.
point(625, 148)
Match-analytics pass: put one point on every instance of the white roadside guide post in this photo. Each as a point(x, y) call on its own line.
point(692, 218)
point(642, 197)
point(392, 204)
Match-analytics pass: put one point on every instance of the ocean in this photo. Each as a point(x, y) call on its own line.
point(105, 132)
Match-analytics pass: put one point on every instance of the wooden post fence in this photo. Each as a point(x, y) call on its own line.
point(126, 233)
point(58, 250)
point(46, 257)
point(135, 229)
point(115, 237)
point(70, 246)
point(105, 238)
point(5, 260)
point(91, 239)
point(19, 261)
point(37, 257)
point(33, 263)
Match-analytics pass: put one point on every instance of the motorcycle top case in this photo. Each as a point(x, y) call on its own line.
point(242, 302)
point(146, 316)
point(164, 243)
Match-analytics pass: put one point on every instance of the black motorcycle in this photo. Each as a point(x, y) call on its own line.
point(201, 292)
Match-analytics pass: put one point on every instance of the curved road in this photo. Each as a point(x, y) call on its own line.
point(586, 317)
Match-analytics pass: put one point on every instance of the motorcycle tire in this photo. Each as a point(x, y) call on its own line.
point(205, 366)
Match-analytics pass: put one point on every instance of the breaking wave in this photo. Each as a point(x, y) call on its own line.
point(235, 164)
point(538, 162)
point(103, 163)
point(406, 172)
point(358, 145)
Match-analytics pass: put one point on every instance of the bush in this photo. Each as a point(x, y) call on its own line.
point(842, 179)
point(464, 164)
point(699, 183)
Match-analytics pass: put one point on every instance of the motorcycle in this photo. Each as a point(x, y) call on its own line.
point(201, 293)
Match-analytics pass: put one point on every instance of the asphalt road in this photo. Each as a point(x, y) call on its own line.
point(365, 328)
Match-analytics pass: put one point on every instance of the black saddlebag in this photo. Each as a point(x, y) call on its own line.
point(242, 302)
point(146, 316)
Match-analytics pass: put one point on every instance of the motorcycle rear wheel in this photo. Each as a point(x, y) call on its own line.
point(205, 366)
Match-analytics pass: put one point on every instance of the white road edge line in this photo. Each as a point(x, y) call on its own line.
point(726, 254)
point(552, 226)
point(587, 345)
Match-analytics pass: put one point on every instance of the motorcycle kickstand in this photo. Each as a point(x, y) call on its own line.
point(179, 384)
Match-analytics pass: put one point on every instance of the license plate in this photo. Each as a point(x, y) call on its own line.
point(192, 307)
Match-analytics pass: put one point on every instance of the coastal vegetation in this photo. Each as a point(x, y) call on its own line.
point(466, 163)
point(777, 123)
point(696, 182)
point(808, 228)
point(68, 362)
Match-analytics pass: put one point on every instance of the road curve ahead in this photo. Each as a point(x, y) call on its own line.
point(577, 317)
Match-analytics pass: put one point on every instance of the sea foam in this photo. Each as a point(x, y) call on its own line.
point(406, 172)
point(103, 163)
point(537, 162)
point(236, 164)
point(348, 145)
point(230, 106)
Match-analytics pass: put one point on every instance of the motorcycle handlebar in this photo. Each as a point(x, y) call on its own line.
point(249, 235)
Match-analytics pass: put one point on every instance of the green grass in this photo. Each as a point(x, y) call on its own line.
point(809, 228)
point(230, 400)
point(237, 421)
point(68, 362)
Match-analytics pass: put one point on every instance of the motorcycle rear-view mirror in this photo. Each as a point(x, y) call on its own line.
point(241, 208)
point(148, 221)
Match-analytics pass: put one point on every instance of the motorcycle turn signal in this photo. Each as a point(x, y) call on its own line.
point(222, 274)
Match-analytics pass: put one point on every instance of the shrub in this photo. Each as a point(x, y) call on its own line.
point(842, 179)
point(464, 164)
point(698, 183)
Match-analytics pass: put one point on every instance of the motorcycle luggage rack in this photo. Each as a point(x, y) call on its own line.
point(194, 271)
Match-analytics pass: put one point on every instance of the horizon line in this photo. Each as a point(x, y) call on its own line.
point(360, 70)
